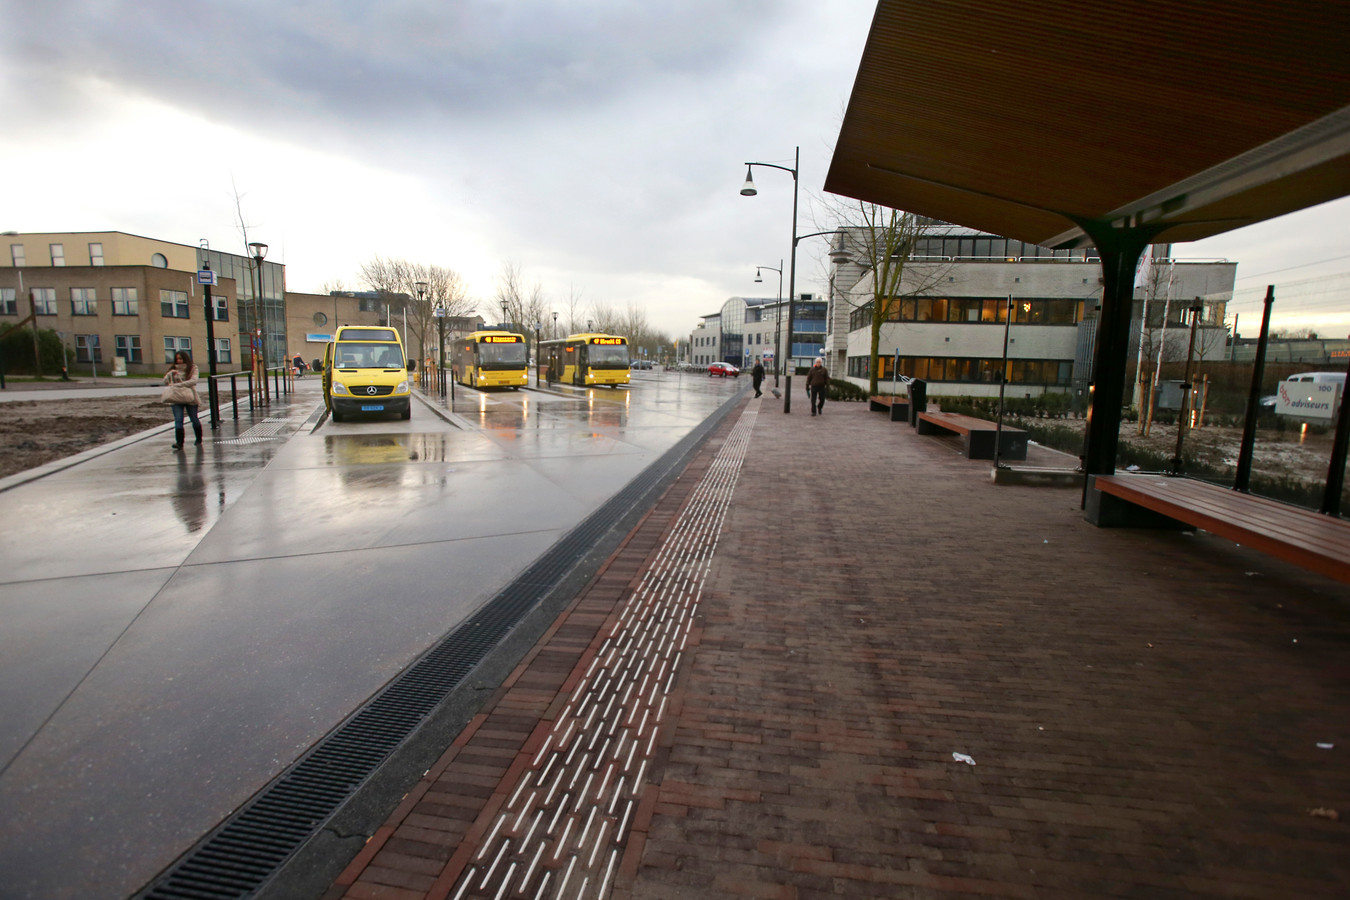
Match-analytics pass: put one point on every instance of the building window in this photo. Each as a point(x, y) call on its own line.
point(173, 304)
point(222, 308)
point(223, 351)
point(159, 261)
point(16, 254)
point(128, 346)
point(126, 302)
point(95, 254)
point(83, 302)
point(968, 370)
point(58, 254)
point(87, 348)
point(44, 301)
point(8, 305)
point(172, 345)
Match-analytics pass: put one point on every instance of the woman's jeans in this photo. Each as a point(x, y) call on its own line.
point(179, 409)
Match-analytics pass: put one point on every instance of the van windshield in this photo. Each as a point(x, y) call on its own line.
point(365, 355)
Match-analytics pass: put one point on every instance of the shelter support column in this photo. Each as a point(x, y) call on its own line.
point(1120, 250)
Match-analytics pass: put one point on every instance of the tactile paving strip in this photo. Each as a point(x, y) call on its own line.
point(563, 830)
point(266, 430)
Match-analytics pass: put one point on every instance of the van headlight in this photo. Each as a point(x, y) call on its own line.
point(402, 388)
point(340, 388)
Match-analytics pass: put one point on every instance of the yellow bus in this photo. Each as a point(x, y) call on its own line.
point(585, 359)
point(490, 359)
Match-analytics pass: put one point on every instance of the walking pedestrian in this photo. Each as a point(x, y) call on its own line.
point(180, 392)
point(757, 376)
point(817, 382)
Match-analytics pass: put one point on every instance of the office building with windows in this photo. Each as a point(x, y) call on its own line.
point(113, 296)
point(948, 321)
point(747, 330)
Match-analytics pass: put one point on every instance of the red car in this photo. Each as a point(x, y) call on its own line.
point(724, 369)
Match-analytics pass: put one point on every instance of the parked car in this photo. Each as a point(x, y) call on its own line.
point(724, 369)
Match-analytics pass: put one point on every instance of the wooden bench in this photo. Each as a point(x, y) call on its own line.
point(898, 407)
point(1306, 538)
point(979, 434)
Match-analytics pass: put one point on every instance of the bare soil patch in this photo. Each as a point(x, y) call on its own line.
point(34, 432)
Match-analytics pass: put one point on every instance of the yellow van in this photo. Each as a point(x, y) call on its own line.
point(366, 371)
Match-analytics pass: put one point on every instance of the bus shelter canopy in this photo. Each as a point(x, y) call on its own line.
point(1028, 120)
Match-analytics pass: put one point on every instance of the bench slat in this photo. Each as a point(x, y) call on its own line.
point(1256, 514)
point(1309, 539)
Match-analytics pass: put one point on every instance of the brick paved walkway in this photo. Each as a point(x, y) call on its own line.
point(898, 680)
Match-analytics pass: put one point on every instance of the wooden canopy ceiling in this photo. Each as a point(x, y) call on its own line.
point(1027, 120)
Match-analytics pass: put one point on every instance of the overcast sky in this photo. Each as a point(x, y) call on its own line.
point(598, 146)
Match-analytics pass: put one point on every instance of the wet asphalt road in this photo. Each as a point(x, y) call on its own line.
point(178, 628)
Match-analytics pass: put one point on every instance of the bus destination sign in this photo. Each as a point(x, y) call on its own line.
point(502, 339)
point(607, 341)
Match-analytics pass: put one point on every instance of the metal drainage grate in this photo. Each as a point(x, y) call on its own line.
point(237, 858)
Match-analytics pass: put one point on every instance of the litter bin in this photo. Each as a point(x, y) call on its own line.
point(918, 400)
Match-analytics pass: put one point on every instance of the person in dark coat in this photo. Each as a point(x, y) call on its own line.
point(817, 383)
point(757, 376)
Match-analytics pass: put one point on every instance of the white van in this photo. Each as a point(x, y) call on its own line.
point(1311, 396)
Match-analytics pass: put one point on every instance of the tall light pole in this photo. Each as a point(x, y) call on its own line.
point(259, 252)
point(777, 316)
point(748, 190)
point(504, 305)
point(206, 277)
point(538, 348)
point(554, 333)
point(836, 255)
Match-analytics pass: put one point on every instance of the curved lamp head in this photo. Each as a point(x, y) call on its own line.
point(748, 189)
point(421, 288)
point(259, 250)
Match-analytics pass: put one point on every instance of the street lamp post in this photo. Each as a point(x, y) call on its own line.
point(837, 255)
point(777, 316)
point(554, 333)
point(259, 252)
point(538, 349)
point(213, 401)
point(504, 305)
point(748, 190)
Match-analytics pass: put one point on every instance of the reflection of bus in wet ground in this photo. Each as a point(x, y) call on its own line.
point(585, 360)
point(494, 358)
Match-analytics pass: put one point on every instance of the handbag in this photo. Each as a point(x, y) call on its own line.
point(183, 394)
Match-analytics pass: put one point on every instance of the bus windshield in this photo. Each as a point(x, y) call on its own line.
point(363, 355)
point(608, 356)
point(502, 356)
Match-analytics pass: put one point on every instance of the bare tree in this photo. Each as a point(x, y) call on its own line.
point(333, 286)
point(524, 302)
point(397, 279)
point(883, 240)
point(603, 318)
